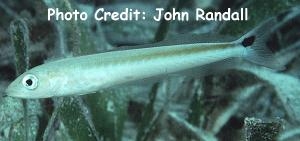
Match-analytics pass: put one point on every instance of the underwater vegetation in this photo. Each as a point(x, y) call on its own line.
point(247, 102)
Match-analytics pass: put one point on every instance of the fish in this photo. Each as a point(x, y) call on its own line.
point(90, 73)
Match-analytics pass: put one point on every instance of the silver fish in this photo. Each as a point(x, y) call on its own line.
point(88, 74)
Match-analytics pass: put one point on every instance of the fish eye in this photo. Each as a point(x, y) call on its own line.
point(30, 81)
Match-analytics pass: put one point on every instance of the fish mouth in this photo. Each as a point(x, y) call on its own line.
point(19, 94)
point(10, 92)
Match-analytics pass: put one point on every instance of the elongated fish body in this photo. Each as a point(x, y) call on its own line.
point(88, 74)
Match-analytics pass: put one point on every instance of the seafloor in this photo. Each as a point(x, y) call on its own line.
point(247, 102)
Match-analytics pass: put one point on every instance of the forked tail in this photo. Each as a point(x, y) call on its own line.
point(256, 49)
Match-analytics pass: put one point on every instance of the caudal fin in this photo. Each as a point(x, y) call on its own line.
point(255, 44)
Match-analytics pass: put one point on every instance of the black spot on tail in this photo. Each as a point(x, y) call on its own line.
point(248, 41)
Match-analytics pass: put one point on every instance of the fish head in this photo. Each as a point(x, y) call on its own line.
point(35, 83)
